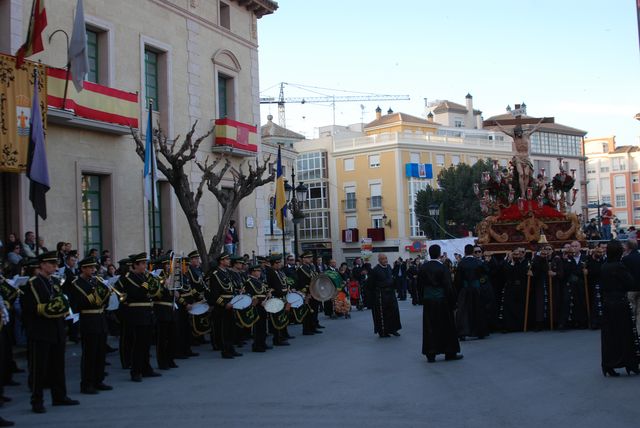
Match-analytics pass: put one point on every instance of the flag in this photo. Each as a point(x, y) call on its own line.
point(37, 169)
point(280, 199)
point(150, 167)
point(37, 24)
point(78, 51)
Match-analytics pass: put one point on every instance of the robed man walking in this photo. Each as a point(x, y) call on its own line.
point(439, 334)
point(386, 316)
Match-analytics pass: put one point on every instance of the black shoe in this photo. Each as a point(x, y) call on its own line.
point(151, 374)
point(289, 337)
point(136, 378)
point(103, 387)
point(38, 408)
point(163, 367)
point(4, 399)
point(635, 370)
point(89, 390)
point(610, 372)
point(227, 356)
point(318, 332)
point(385, 335)
point(193, 354)
point(431, 358)
point(320, 326)
point(111, 350)
point(237, 354)
point(258, 349)
point(17, 370)
point(65, 401)
point(184, 357)
point(395, 333)
point(11, 382)
point(309, 333)
point(107, 363)
point(173, 365)
point(281, 343)
point(453, 357)
point(6, 423)
point(268, 347)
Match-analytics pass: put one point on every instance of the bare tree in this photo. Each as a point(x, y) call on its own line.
point(177, 156)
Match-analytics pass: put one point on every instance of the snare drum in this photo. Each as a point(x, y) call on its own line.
point(295, 299)
point(199, 308)
point(241, 301)
point(273, 305)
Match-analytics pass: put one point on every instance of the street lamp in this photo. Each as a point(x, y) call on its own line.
point(296, 197)
point(434, 212)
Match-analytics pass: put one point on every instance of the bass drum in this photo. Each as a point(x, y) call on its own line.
point(322, 288)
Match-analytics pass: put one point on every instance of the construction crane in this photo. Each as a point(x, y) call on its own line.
point(333, 99)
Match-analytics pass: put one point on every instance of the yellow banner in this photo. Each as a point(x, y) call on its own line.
point(16, 94)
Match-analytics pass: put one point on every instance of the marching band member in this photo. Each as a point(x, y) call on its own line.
point(306, 273)
point(277, 281)
point(44, 310)
point(259, 291)
point(126, 335)
point(189, 294)
point(165, 314)
point(139, 287)
point(222, 288)
point(89, 296)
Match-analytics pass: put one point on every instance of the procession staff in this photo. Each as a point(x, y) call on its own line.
point(277, 282)
point(188, 295)
point(259, 291)
point(44, 310)
point(306, 273)
point(165, 315)
point(139, 287)
point(89, 296)
point(222, 288)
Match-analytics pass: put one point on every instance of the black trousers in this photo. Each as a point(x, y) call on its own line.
point(165, 343)
point(260, 329)
point(183, 345)
point(227, 325)
point(47, 368)
point(142, 338)
point(93, 358)
point(310, 322)
point(126, 344)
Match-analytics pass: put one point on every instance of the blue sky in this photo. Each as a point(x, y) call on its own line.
point(576, 60)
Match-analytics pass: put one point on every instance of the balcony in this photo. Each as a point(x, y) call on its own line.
point(349, 205)
point(374, 203)
point(235, 138)
point(97, 107)
point(376, 234)
point(350, 235)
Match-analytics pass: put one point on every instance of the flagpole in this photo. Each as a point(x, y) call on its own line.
point(153, 189)
point(35, 79)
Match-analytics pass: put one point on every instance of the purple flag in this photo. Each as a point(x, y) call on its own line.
point(37, 169)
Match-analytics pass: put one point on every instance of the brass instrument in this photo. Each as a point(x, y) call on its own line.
point(175, 280)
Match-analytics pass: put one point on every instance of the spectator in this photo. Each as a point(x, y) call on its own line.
point(29, 245)
point(607, 215)
point(231, 238)
point(41, 247)
point(13, 256)
point(62, 254)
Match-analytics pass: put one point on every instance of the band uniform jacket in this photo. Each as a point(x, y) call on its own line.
point(44, 310)
point(138, 301)
point(305, 274)
point(277, 281)
point(86, 301)
point(163, 302)
point(222, 287)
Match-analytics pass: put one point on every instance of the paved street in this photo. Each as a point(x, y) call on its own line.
point(348, 376)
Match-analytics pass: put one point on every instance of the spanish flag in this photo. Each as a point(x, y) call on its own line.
point(37, 24)
point(280, 199)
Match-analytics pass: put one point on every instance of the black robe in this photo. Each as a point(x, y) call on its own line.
point(539, 298)
point(471, 316)
point(620, 347)
point(439, 333)
point(594, 267)
point(515, 292)
point(573, 311)
point(386, 315)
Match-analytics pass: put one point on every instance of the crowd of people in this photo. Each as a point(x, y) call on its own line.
point(172, 304)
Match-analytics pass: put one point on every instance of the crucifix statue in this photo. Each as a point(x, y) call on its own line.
point(521, 141)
